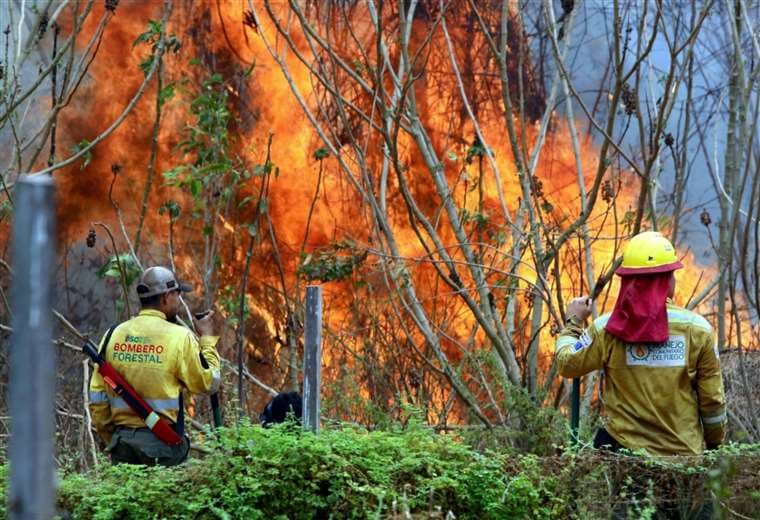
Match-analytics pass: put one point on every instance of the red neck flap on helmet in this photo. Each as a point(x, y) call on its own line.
point(640, 314)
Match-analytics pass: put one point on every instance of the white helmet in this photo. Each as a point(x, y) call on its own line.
point(159, 280)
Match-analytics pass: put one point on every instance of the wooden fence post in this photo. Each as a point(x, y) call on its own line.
point(575, 410)
point(312, 357)
point(31, 493)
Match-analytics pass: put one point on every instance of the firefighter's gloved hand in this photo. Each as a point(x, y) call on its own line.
point(205, 326)
point(579, 309)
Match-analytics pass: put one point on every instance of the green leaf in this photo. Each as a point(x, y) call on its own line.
point(321, 153)
point(155, 26)
point(262, 169)
point(247, 72)
point(152, 35)
point(476, 150)
point(171, 208)
point(195, 187)
point(335, 262)
point(144, 37)
point(173, 44)
point(87, 157)
point(220, 513)
point(111, 268)
point(213, 169)
point(166, 93)
point(5, 209)
point(245, 201)
point(252, 230)
point(172, 177)
point(146, 64)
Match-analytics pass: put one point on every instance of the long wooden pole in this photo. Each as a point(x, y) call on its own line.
point(32, 360)
point(312, 357)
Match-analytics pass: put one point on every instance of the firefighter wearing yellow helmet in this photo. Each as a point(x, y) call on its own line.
point(663, 390)
point(159, 359)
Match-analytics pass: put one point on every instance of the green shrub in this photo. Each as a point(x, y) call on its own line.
point(284, 472)
point(3, 488)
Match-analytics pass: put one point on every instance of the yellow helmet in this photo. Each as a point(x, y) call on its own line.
point(649, 252)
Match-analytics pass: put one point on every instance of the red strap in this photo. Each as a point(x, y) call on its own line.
point(157, 424)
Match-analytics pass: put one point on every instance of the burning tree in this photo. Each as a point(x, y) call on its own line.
point(452, 172)
point(480, 164)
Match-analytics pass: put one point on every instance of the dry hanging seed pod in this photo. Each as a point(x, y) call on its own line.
point(608, 192)
point(628, 97)
point(91, 236)
point(704, 217)
point(529, 295)
point(414, 380)
point(43, 24)
point(555, 328)
point(537, 186)
point(249, 19)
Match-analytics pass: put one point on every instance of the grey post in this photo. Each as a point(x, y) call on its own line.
point(312, 357)
point(32, 355)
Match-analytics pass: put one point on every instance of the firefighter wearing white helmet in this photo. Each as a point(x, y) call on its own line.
point(663, 389)
point(159, 359)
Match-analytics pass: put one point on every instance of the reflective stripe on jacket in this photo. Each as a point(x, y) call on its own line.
point(665, 398)
point(158, 358)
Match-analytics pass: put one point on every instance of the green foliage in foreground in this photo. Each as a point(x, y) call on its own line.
point(3, 487)
point(351, 473)
point(258, 473)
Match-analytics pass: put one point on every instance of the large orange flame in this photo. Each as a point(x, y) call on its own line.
point(363, 320)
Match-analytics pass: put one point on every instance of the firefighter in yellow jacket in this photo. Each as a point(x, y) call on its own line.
point(663, 389)
point(159, 359)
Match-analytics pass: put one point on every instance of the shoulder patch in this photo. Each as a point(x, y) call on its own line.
point(583, 342)
point(564, 341)
point(671, 353)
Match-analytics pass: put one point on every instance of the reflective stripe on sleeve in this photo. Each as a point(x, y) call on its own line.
point(98, 397)
point(151, 420)
point(685, 317)
point(700, 321)
point(564, 341)
point(680, 316)
point(601, 321)
point(159, 405)
point(216, 379)
point(714, 419)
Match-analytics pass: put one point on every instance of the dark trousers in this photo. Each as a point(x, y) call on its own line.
point(604, 441)
point(141, 446)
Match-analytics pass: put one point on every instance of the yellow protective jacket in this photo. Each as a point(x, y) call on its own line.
point(665, 398)
point(158, 359)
